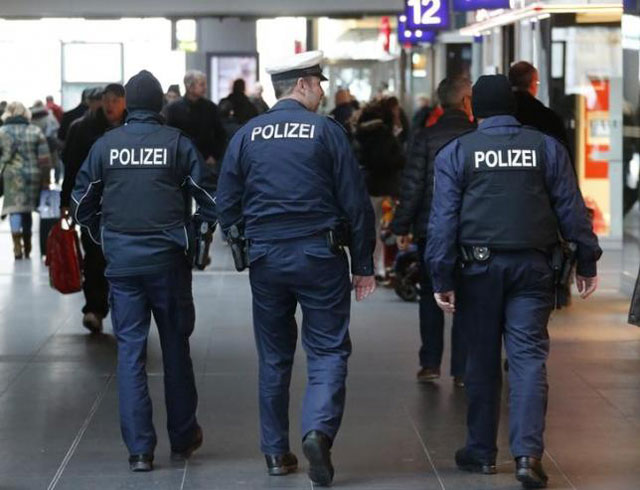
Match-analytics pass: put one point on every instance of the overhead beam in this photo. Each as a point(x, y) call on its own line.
point(195, 8)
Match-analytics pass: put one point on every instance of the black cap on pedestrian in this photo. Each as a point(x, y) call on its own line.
point(492, 96)
point(144, 93)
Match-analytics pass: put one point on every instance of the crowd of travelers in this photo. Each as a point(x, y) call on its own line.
point(44, 145)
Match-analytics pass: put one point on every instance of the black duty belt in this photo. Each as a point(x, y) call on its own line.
point(476, 253)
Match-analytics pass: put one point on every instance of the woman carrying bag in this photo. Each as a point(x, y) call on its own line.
point(25, 162)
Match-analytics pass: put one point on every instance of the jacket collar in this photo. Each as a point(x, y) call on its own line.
point(17, 120)
point(141, 116)
point(499, 121)
point(454, 114)
point(288, 104)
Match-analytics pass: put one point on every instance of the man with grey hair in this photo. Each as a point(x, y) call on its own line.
point(200, 119)
point(412, 216)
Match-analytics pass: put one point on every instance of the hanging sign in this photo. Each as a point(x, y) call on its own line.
point(413, 36)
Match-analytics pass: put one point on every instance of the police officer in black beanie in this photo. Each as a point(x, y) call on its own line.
point(503, 195)
point(133, 194)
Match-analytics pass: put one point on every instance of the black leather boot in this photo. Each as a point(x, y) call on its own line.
point(317, 449)
point(281, 464)
point(141, 462)
point(181, 454)
point(26, 240)
point(530, 473)
point(467, 462)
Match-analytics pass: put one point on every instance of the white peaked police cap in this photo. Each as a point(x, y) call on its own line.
point(297, 66)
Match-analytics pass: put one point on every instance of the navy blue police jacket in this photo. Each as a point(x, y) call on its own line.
point(133, 193)
point(449, 185)
point(291, 173)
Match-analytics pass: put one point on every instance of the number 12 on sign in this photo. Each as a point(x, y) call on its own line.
point(427, 13)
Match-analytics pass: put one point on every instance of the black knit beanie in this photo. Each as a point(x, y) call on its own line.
point(144, 92)
point(492, 96)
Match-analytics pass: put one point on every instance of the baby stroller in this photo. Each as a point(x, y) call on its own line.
point(407, 274)
point(403, 267)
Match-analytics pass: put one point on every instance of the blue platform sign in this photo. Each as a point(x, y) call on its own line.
point(426, 15)
point(467, 5)
point(413, 36)
point(631, 7)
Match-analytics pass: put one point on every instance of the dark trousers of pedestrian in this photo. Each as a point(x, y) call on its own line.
point(95, 285)
point(284, 274)
point(167, 295)
point(432, 326)
point(508, 297)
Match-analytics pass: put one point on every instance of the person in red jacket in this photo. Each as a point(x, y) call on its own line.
point(55, 109)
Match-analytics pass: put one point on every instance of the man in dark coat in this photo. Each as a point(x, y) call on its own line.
point(76, 113)
point(242, 108)
point(344, 108)
point(412, 216)
point(200, 119)
point(83, 133)
point(523, 77)
point(257, 100)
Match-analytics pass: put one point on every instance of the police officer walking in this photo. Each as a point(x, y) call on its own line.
point(291, 182)
point(503, 193)
point(134, 193)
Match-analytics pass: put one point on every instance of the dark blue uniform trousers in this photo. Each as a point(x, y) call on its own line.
point(432, 326)
point(510, 296)
point(133, 299)
point(283, 274)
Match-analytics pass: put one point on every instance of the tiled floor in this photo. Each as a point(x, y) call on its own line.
point(58, 403)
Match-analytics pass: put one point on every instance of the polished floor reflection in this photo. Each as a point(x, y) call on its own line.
point(58, 404)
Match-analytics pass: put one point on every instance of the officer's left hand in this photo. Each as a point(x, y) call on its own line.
point(364, 286)
point(446, 301)
point(586, 285)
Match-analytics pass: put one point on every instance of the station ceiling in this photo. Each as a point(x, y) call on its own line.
point(192, 8)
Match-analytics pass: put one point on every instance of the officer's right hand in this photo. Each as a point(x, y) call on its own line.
point(446, 301)
point(586, 285)
point(364, 286)
point(403, 242)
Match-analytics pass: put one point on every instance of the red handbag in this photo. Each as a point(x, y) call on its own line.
point(64, 258)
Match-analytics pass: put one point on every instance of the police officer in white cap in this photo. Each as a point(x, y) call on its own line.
point(290, 181)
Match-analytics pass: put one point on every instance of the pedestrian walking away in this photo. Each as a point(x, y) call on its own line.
point(503, 195)
point(411, 220)
point(291, 185)
point(147, 245)
point(83, 133)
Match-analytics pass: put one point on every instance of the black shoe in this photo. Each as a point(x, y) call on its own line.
point(467, 462)
point(530, 473)
point(281, 464)
point(317, 449)
point(428, 375)
point(92, 322)
point(141, 462)
point(179, 455)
